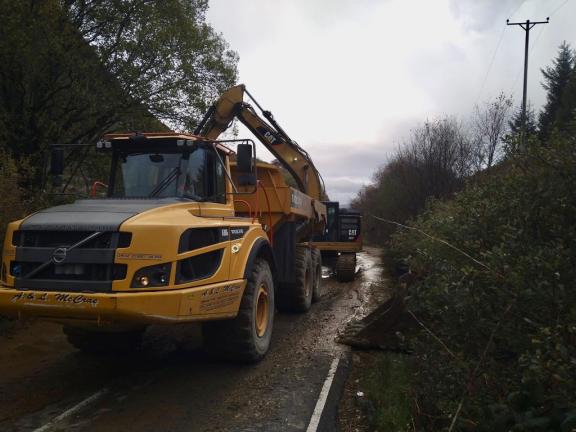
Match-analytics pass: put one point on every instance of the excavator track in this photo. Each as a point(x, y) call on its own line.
point(346, 267)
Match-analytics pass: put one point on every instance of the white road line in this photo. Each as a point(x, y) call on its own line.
point(71, 411)
point(315, 420)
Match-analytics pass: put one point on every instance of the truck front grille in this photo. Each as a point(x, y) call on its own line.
point(78, 272)
point(56, 239)
point(74, 261)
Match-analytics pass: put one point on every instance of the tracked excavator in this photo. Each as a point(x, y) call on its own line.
point(188, 231)
point(341, 238)
point(340, 241)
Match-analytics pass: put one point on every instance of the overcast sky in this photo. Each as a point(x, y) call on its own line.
point(348, 79)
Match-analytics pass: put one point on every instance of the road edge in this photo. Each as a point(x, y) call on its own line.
point(328, 421)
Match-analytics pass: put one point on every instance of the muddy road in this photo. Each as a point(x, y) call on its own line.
point(171, 385)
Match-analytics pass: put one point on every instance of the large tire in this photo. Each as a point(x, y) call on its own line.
point(297, 297)
point(99, 342)
point(247, 337)
point(317, 282)
point(346, 267)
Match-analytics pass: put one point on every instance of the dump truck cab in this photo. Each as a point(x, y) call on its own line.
point(182, 234)
point(165, 245)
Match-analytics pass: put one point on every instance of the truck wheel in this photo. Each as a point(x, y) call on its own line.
point(317, 265)
point(346, 267)
point(99, 342)
point(297, 297)
point(247, 337)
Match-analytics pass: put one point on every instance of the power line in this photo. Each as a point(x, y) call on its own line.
point(517, 8)
point(526, 26)
point(490, 65)
point(517, 77)
point(559, 7)
point(542, 29)
point(501, 37)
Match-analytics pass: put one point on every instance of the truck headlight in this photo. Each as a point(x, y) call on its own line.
point(152, 276)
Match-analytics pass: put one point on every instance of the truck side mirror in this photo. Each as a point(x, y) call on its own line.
point(57, 161)
point(244, 159)
point(246, 165)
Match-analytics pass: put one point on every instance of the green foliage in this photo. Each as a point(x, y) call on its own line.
point(515, 123)
point(560, 103)
point(388, 390)
point(520, 224)
point(13, 204)
point(163, 54)
point(51, 91)
point(71, 71)
point(506, 316)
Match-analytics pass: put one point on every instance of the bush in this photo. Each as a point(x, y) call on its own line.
point(521, 225)
point(13, 204)
point(432, 163)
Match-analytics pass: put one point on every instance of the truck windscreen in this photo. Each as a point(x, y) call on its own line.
point(193, 175)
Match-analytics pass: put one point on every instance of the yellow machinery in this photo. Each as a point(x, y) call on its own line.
point(187, 232)
point(340, 241)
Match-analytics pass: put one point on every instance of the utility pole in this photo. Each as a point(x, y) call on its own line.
point(526, 26)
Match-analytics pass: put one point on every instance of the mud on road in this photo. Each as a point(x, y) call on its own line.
point(171, 384)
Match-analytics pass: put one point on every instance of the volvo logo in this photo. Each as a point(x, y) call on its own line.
point(59, 255)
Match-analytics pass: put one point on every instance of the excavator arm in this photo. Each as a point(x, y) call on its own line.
point(293, 158)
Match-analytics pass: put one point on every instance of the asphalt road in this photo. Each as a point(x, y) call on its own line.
point(171, 385)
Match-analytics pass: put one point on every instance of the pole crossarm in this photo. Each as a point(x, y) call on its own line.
point(527, 25)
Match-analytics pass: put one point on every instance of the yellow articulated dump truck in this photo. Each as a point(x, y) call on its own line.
point(189, 231)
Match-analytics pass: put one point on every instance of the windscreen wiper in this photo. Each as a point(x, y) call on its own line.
point(193, 197)
point(173, 175)
point(208, 198)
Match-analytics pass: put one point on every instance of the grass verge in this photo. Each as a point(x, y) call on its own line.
point(388, 389)
point(378, 393)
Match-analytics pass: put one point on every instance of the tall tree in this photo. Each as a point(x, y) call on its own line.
point(566, 115)
point(490, 123)
point(52, 87)
point(515, 123)
point(556, 79)
point(162, 52)
point(431, 163)
point(72, 70)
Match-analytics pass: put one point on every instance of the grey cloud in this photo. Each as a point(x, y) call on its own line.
point(328, 11)
point(352, 162)
point(342, 197)
point(481, 15)
point(346, 169)
point(343, 189)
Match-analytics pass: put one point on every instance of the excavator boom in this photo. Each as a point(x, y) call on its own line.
point(291, 156)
